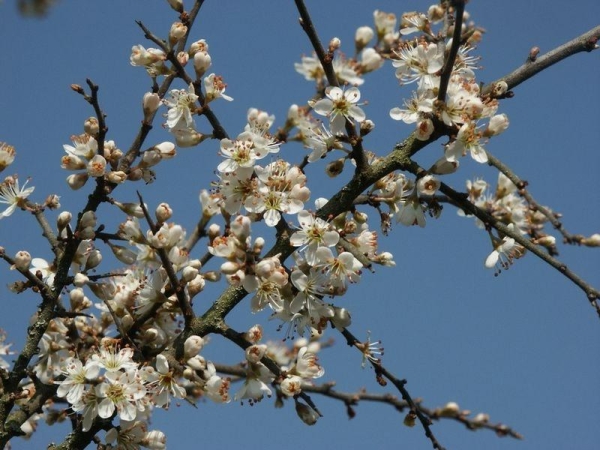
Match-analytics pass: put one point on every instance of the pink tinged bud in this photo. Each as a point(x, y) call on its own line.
point(183, 58)
point(96, 166)
point(91, 127)
point(498, 124)
point(80, 280)
point(308, 415)
point(22, 260)
point(424, 129)
point(88, 219)
point(163, 212)
point(255, 353)
point(150, 104)
point(192, 346)
point(177, 5)
point(202, 61)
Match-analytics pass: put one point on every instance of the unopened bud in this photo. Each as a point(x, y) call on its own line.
point(177, 5)
point(188, 273)
point(202, 61)
point(116, 177)
point(334, 168)
point(163, 212)
point(592, 241)
point(362, 37)
point(123, 254)
point(334, 44)
point(177, 32)
point(22, 260)
point(308, 415)
point(451, 409)
point(150, 104)
point(410, 419)
point(88, 219)
point(91, 127)
point(366, 126)
point(533, 54)
point(192, 346)
point(77, 180)
point(64, 218)
point(93, 260)
point(131, 209)
point(52, 201)
point(80, 280)
point(254, 334)
point(499, 89)
point(166, 149)
point(196, 285)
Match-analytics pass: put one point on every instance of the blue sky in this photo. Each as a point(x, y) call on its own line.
point(521, 347)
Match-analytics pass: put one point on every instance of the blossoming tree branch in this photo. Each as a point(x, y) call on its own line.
point(119, 331)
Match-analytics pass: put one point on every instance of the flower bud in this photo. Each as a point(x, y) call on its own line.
point(362, 37)
point(341, 318)
point(443, 167)
point(188, 138)
point(80, 280)
point(192, 346)
point(131, 209)
point(592, 241)
point(334, 168)
point(154, 440)
point(188, 273)
point(64, 218)
point(88, 219)
point(166, 149)
point(76, 298)
point(196, 286)
point(410, 419)
point(91, 127)
point(177, 32)
point(499, 89)
point(117, 177)
point(7, 155)
point(123, 254)
point(52, 201)
point(533, 54)
point(150, 104)
point(308, 415)
point(93, 260)
point(498, 124)
point(177, 5)
point(366, 126)
point(334, 44)
point(163, 212)
point(22, 260)
point(451, 409)
point(202, 61)
point(254, 334)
